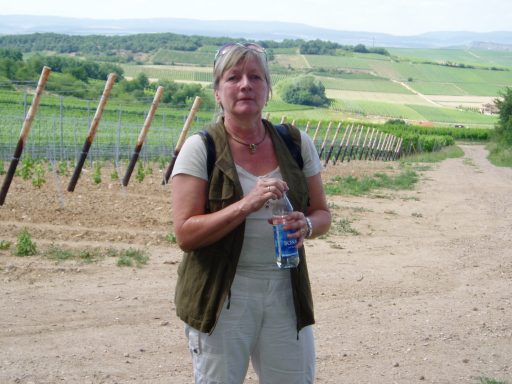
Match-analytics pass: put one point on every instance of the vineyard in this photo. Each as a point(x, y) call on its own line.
point(89, 277)
point(56, 143)
point(62, 124)
point(419, 74)
point(363, 88)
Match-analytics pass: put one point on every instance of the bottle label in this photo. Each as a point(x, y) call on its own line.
point(285, 246)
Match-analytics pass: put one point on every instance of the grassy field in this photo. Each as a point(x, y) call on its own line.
point(466, 56)
point(367, 85)
point(410, 84)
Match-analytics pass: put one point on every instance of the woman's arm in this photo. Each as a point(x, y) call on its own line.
point(194, 228)
point(318, 210)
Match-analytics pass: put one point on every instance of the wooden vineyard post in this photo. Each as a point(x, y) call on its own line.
point(341, 145)
point(182, 137)
point(27, 123)
point(349, 142)
point(376, 143)
point(307, 127)
point(382, 139)
point(325, 140)
point(142, 135)
point(316, 133)
point(92, 131)
point(333, 143)
point(391, 145)
point(360, 129)
point(398, 148)
point(388, 147)
point(383, 146)
point(364, 144)
point(369, 144)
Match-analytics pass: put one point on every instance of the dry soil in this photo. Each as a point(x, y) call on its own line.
point(409, 286)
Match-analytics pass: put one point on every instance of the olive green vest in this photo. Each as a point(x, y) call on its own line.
point(205, 275)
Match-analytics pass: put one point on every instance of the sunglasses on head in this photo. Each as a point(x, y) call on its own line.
point(249, 46)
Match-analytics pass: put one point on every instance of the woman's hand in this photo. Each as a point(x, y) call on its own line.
point(266, 189)
point(296, 221)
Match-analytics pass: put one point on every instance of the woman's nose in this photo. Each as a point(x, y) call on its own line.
point(245, 82)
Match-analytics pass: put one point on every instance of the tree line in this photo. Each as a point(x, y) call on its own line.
point(320, 47)
point(111, 46)
point(84, 79)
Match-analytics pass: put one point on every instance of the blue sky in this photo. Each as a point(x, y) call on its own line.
point(398, 17)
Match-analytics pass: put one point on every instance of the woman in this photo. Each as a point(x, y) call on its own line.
point(238, 306)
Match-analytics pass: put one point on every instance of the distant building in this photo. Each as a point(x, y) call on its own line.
point(489, 109)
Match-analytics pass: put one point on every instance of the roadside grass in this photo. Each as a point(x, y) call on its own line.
point(486, 380)
point(86, 256)
point(171, 238)
point(58, 254)
point(5, 244)
point(25, 246)
point(449, 152)
point(357, 186)
point(500, 155)
point(131, 256)
point(125, 258)
point(343, 226)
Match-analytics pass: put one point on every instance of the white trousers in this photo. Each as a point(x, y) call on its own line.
point(259, 326)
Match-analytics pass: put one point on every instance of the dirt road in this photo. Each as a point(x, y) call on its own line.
point(417, 289)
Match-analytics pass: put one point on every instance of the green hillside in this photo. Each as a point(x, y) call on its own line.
point(445, 86)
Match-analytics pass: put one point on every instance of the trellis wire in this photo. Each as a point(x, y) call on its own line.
point(115, 139)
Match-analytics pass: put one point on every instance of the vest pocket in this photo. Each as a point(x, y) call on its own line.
point(221, 193)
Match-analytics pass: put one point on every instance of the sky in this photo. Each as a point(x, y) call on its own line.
point(396, 17)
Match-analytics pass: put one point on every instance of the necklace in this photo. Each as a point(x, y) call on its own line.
point(250, 146)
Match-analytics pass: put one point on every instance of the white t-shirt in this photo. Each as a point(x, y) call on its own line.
point(258, 254)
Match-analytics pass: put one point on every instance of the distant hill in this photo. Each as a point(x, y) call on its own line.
point(254, 30)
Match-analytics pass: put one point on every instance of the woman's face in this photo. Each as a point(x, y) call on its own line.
point(242, 90)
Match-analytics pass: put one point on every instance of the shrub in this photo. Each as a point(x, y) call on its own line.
point(140, 172)
point(38, 176)
point(27, 168)
point(59, 254)
point(24, 244)
point(304, 90)
point(114, 176)
point(128, 257)
point(4, 244)
point(504, 127)
point(96, 174)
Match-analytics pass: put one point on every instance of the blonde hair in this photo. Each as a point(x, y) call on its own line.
point(240, 54)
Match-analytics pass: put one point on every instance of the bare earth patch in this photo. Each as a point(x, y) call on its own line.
point(421, 294)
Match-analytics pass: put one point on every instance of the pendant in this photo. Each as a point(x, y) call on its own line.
point(252, 148)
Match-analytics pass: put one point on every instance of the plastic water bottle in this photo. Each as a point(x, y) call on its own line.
point(287, 255)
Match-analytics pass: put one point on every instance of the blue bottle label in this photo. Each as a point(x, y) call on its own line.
point(285, 246)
